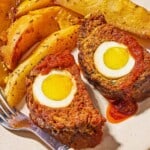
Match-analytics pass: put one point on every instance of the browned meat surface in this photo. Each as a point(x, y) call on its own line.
point(122, 92)
point(78, 125)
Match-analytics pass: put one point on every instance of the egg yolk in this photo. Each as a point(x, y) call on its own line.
point(57, 87)
point(116, 57)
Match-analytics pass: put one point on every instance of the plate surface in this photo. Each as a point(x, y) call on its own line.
point(132, 134)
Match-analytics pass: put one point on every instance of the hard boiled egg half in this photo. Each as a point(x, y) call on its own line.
point(113, 60)
point(56, 89)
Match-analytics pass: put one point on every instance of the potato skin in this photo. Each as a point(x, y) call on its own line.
point(123, 14)
point(58, 41)
point(6, 15)
point(3, 74)
point(83, 7)
point(128, 16)
point(66, 18)
point(26, 31)
point(29, 5)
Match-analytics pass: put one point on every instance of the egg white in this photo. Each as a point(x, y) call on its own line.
point(42, 99)
point(103, 69)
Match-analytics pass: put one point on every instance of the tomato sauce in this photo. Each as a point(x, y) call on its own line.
point(62, 59)
point(114, 116)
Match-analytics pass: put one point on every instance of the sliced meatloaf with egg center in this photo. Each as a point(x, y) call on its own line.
point(123, 92)
point(79, 124)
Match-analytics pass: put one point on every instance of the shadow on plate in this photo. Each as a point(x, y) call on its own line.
point(143, 106)
point(29, 135)
point(108, 141)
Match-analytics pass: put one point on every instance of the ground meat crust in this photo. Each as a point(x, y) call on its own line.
point(78, 125)
point(122, 91)
point(109, 33)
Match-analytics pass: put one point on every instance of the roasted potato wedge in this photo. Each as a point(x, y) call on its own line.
point(6, 16)
point(26, 31)
point(3, 74)
point(83, 7)
point(123, 14)
point(127, 16)
point(58, 41)
point(29, 5)
point(66, 18)
point(5, 13)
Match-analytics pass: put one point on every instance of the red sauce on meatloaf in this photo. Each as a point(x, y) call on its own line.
point(114, 116)
point(78, 125)
point(53, 61)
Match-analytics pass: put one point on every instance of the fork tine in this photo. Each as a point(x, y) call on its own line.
point(4, 105)
point(2, 116)
point(4, 111)
point(3, 121)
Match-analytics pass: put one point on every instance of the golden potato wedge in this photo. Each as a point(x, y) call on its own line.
point(127, 16)
point(29, 5)
point(6, 16)
point(26, 31)
point(3, 74)
point(83, 7)
point(123, 14)
point(6, 13)
point(58, 41)
point(66, 18)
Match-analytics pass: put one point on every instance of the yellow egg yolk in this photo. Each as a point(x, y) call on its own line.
point(57, 87)
point(116, 57)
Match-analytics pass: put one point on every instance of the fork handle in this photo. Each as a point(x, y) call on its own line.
point(50, 141)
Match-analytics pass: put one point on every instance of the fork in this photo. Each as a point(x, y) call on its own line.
point(15, 120)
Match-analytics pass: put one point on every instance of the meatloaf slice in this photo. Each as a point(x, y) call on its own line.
point(78, 125)
point(122, 92)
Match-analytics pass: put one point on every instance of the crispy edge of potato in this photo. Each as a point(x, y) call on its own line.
point(128, 16)
point(58, 41)
point(83, 7)
point(6, 13)
point(123, 14)
point(66, 18)
point(26, 31)
point(3, 74)
point(30, 5)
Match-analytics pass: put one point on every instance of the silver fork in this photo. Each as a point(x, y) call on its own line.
point(14, 120)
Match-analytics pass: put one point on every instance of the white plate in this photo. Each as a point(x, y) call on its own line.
point(132, 134)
